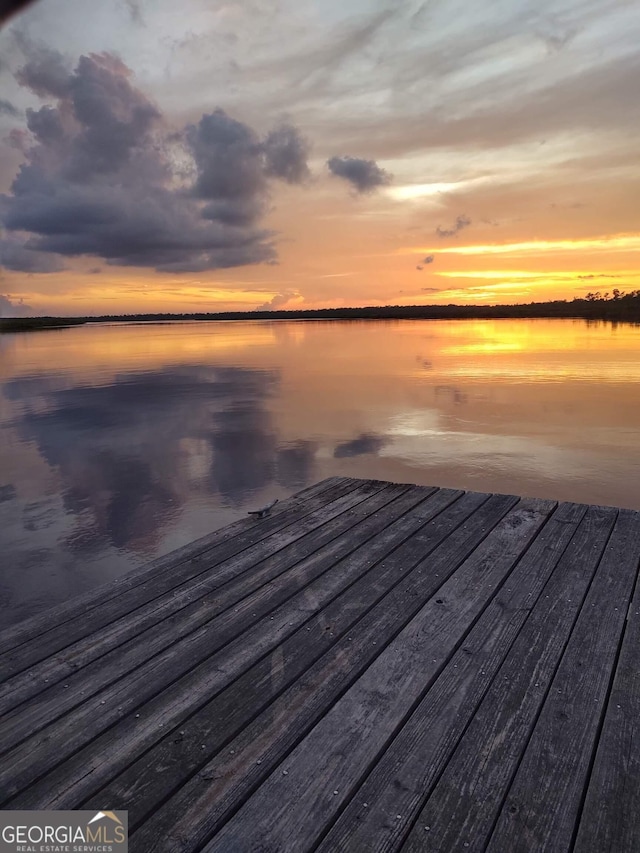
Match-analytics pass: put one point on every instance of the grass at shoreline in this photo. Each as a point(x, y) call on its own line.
point(625, 308)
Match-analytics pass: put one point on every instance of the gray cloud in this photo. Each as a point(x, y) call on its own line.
point(461, 222)
point(286, 155)
point(8, 491)
point(7, 109)
point(13, 308)
point(104, 178)
point(364, 175)
point(14, 255)
point(46, 73)
point(429, 259)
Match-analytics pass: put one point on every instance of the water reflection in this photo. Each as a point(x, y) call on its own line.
point(363, 444)
point(119, 443)
point(119, 448)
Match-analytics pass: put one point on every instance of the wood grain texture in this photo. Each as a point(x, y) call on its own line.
point(610, 821)
point(287, 810)
point(369, 660)
point(198, 664)
point(465, 802)
point(200, 806)
point(399, 783)
point(161, 770)
point(544, 799)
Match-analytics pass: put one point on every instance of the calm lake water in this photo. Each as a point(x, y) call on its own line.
point(119, 443)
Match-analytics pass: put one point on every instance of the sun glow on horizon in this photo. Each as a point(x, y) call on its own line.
point(619, 242)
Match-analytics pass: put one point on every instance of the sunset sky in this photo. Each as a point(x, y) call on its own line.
point(208, 155)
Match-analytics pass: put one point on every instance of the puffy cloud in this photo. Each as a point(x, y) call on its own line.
point(279, 300)
point(227, 156)
point(286, 154)
point(47, 72)
point(104, 177)
point(13, 308)
point(461, 222)
point(364, 175)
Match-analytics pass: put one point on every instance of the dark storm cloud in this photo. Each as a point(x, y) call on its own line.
point(104, 178)
point(227, 156)
point(364, 175)
point(15, 255)
point(7, 109)
point(461, 222)
point(286, 153)
point(364, 443)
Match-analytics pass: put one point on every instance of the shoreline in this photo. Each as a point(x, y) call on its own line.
point(625, 309)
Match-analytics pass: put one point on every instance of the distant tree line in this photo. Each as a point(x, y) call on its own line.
point(617, 305)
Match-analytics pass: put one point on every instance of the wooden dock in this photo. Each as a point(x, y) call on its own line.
point(371, 667)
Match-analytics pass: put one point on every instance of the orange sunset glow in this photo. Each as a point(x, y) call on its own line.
point(266, 156)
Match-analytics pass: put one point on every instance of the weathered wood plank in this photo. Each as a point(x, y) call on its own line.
point(463, 805)
point(543, 803)
point(107, 755)
point(610, 821)
point(88, 665)
point(290, 808)
point(35, 625)
point(396, 788)
point(201, 662)
point(159, 771)
point(248, 548)
point(201, 805)
point(401, 647)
